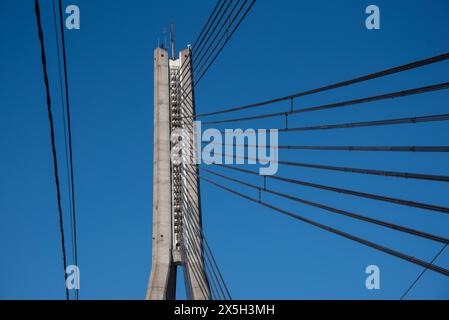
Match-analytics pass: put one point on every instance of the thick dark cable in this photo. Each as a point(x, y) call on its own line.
point(350, 148)
point(196, 81)
point(392, 95)
point(385, 173)
point(183, 69)
point(373, 148)
point(69, 127)
point(371, 196)
point(385, 224)
point(353, 125)
point(371, 76)
point(215, 15)
point(206, 25)
point(200, 55)
point(346, 235)
point(53, 142)
point(198, 61)
point(406, 175)
point(412, 120)
point(191, 80)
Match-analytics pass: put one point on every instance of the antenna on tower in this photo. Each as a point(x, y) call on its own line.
point(172, 40)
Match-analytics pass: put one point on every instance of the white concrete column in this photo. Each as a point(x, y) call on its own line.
point(162, 282)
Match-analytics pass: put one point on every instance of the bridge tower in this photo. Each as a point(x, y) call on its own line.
point(177, 228)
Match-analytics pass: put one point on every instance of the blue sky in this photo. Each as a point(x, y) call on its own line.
point(283, 47)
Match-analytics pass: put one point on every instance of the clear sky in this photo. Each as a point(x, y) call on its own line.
point(282, 47)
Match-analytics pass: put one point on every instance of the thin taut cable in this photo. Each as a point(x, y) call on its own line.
point(69, 127)
point(423, 272)
point(65, 127)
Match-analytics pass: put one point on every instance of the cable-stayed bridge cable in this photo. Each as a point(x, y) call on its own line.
point(385, 173)
point(383, 73)
point(355, 193)
point(341, 233)
point(391, 95)
point(201, 75)
point(385, 224)
point(351, 125)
